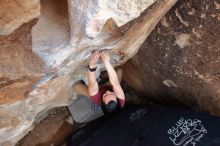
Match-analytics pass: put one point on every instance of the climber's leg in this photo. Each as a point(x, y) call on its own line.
point(81, 88)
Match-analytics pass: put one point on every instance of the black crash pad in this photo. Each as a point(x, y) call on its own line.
point(150, 126)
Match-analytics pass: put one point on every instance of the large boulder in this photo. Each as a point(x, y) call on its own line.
point(40, 65)
point(179, 63)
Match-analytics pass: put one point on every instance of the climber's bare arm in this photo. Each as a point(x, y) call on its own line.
point(113, 78)
point(93, 85)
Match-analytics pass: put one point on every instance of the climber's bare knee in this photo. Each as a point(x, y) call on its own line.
point(81, 88)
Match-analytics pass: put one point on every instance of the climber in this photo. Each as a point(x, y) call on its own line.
point(109, 96)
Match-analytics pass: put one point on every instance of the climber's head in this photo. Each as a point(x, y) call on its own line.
point(109, 96)
point(110, 103)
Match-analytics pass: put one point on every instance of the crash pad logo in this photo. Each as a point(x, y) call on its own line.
point(138, 114)
point(187, 132)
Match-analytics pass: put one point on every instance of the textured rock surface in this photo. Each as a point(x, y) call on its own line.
point(20, 68)
point(14, 13)
point(45, 81)
point(121, 11)
point(179, 63)
point(94, 14)
point(51, 34)
point(53, 130)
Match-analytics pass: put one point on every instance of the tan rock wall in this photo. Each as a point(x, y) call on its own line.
point(39, 83)
point(20, 68)
point(14, 13)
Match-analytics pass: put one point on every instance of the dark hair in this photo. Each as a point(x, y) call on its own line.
point(110, 107)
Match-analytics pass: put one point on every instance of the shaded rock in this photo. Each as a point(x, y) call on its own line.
point(179, 64)
point(53, 130)
point(182, 40)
